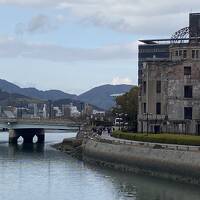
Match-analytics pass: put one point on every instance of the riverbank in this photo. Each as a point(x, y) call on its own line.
point(175, 162)
point(73, 146)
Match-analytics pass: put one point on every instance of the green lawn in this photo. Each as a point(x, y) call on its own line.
point(159, 138)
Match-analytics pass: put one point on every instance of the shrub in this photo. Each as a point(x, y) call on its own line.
point(159, 138)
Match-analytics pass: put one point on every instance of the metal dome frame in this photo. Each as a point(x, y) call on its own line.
point(181, 35)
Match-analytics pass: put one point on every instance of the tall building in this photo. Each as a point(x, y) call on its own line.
point(50, 109)
point(169, 81)
point(44, 115)
point(66, 111)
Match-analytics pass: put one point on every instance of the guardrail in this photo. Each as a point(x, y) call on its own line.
point(147, 144)
point(41, 121)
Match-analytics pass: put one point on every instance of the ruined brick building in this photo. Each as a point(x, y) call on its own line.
point(169, 81)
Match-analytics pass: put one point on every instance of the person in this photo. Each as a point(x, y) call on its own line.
point(99, 131)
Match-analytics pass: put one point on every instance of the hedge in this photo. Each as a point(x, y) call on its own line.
point(159, 138)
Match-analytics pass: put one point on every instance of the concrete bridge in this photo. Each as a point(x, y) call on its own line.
point(28, 128)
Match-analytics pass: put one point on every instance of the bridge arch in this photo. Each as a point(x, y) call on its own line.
point(27, 135)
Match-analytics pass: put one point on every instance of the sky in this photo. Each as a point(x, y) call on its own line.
point(75, 45)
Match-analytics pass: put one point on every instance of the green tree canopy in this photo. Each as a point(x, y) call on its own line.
point(128, 104)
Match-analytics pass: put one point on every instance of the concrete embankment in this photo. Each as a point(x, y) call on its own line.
point(179, 163)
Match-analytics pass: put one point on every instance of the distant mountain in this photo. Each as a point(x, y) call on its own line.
point(103, 96)
point(34, 93)
point(15, 99)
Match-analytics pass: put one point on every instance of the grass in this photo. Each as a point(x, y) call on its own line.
point(159, 138)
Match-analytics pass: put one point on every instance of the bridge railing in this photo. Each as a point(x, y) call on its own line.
point(41, 121)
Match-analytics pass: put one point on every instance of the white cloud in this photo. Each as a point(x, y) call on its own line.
point(119, 80)
point(134, 16)
point(11, 47)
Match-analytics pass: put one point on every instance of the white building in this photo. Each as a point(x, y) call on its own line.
point(45, 111)
point(74, 111)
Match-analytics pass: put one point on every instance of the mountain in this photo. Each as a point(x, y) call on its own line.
point(34, 93)
point(15, 99)
point(103, 96)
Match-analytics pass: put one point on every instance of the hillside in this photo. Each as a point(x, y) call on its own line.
point(15, 99)
point(34, 93)
point(102, 96)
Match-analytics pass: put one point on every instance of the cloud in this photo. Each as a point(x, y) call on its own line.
point(132, 16)
point(11, 47)
point(119, 80)
point(39, 24)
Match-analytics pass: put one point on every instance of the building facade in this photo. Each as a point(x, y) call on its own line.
point(169, 99)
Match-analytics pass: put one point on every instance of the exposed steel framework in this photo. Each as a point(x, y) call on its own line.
point(184, 35)
point(181, 35)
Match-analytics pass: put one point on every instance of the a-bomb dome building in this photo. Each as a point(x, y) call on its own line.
point(169, 81)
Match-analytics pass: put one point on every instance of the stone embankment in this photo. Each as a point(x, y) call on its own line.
point(176, 162)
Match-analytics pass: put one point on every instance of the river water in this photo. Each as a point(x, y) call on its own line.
point(43, 173)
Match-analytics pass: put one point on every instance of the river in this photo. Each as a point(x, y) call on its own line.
point(43, 173)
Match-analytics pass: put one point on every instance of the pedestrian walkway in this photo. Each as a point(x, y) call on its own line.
point(105, 135)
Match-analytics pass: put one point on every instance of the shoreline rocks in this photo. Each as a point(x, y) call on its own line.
point(71, 146)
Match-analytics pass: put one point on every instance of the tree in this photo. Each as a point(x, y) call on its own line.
point(128, 104)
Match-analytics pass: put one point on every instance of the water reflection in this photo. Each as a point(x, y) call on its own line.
point(40, 172)
point(31, 148)
point(130, 186)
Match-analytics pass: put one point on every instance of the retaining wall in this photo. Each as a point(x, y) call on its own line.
point(175, 162)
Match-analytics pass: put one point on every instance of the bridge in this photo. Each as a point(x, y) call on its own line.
point(28, 128)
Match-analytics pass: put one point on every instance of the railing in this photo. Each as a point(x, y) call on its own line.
point(41, 121)
point(146, 144)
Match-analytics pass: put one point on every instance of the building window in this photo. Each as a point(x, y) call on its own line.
point(158, 108)
point(195, 54)
point(187, 70)
point(144, 87)
point(176, 53)
point(184, 53)
point(180, 53)
point(158, 87)
point(188, 91)
point(188, 113)
point(144, 107)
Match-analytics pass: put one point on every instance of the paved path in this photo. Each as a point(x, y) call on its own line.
point(107, 136)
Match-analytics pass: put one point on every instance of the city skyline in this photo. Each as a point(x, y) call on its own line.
point(76, 46)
